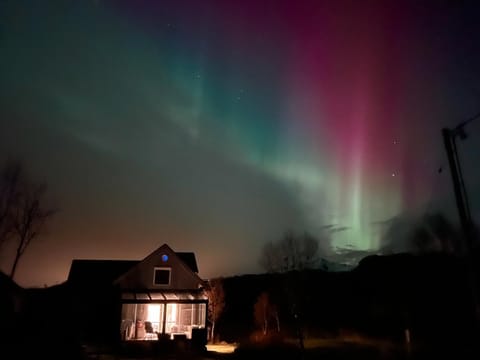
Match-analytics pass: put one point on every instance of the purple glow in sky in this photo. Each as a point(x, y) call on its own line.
point(215, 126)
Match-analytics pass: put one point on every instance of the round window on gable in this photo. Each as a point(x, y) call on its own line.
point(164, 257)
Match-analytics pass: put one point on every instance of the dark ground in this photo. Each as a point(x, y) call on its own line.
point(336, 351)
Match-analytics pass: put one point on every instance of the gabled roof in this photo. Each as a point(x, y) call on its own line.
point(186, 265)
point(104, 272)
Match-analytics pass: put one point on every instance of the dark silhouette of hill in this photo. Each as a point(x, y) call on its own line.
point(430, 295)
point(384, 295)
point(11, 297)
point(36, 322)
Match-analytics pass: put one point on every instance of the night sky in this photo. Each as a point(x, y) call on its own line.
point(215, 126)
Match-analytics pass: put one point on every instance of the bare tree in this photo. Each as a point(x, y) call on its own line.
point(22, 212)
point(9, 192)
point(260, 312)
point(435, 233)
point(431, 232)
point(271, 257)
point(265, 312)
point(291, 252)
point(29, 220)
point(216, 303)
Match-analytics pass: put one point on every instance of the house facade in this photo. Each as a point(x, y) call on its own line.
point(159, 297)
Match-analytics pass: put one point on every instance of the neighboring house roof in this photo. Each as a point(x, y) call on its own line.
point(103, 272)
point(99, 272)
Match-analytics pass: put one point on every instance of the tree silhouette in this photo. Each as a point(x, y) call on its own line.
point(265, 312)
point(291, 252)
point(22, 213)
point(431, 232)
point(216, 303)
point(9, 192)
point(29, 220)
point(435, 233)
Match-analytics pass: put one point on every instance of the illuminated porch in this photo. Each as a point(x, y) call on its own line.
point(149, 315)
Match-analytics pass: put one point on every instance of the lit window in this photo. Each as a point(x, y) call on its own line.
point(161, 276)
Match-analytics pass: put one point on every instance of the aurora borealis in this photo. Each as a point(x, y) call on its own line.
point(215, 126)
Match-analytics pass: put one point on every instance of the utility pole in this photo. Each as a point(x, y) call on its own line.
point(449, 140)
point(458, 183)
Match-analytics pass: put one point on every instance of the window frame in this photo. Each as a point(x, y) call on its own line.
point(155, 275)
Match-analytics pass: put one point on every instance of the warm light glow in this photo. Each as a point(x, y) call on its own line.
point(222, 348)
point(153, 313)
point(173, 312)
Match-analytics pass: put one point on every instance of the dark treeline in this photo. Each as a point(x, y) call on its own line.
point(430, 295)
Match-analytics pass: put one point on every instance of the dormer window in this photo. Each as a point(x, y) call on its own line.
point(161, 276)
